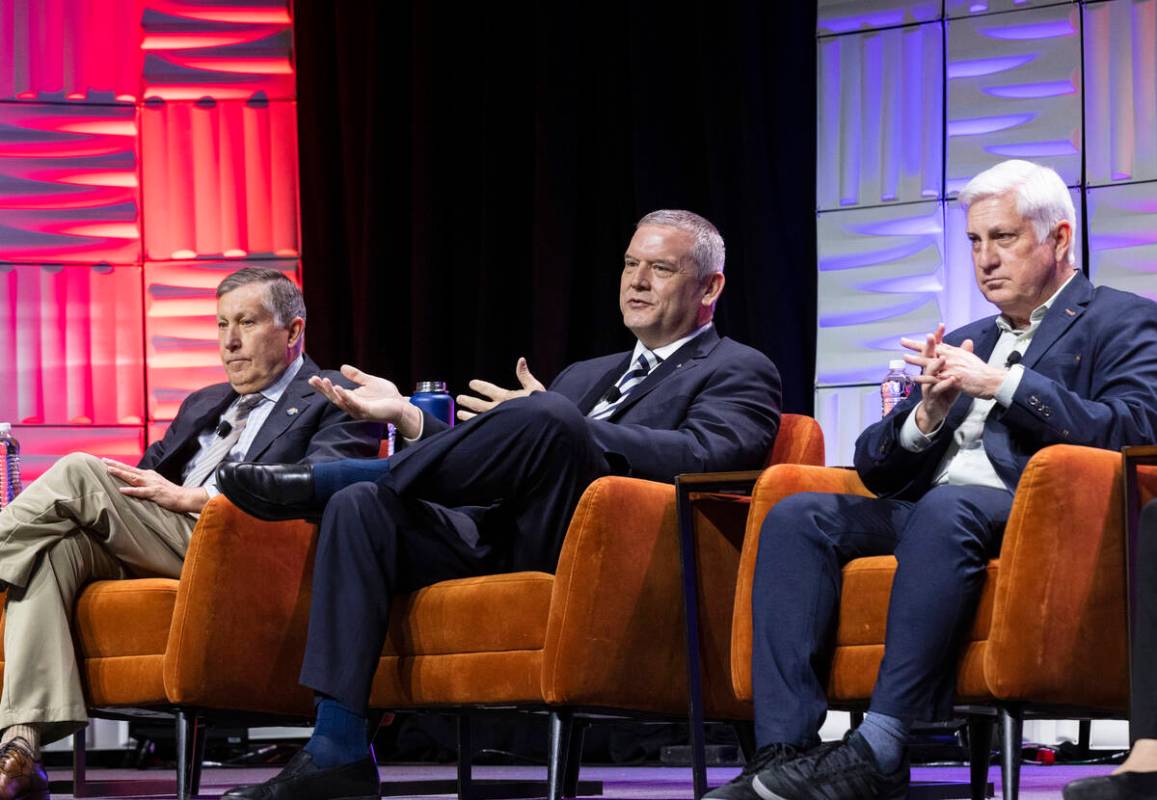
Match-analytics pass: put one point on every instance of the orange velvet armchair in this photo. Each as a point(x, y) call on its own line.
point(1049, 636)
point(604, 632)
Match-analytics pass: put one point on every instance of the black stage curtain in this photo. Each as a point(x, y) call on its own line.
point(472, 172)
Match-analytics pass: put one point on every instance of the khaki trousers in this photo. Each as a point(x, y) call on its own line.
point(69, 527)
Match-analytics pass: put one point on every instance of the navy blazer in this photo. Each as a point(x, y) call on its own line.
point(1090, 378)
point(713, 405)
point(303, 427)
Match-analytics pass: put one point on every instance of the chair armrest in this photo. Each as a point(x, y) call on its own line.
point(615, 632)
point(1058, 622)
point(239, 625)
point(776, 483)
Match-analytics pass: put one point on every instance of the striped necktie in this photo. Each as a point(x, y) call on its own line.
point(212, 456)
point(631, 378)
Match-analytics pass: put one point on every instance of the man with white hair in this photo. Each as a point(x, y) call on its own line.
point(1063, 362)
point(495, 494)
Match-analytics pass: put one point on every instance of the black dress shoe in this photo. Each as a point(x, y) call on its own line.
point(270, 491)
point(1125, 786)
point(303, 780)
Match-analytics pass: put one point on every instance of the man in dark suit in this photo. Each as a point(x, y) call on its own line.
point(496, 493)
point(88, 519)
point(1063, 362)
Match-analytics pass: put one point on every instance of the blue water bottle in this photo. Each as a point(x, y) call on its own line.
point(432, 397)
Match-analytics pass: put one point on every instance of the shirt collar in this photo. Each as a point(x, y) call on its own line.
point(273, 391)
point(667, 350)
point(1038, 313)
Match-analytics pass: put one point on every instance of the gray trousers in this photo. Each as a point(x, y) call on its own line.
point(69, 527)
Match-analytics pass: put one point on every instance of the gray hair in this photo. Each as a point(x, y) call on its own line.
point(283, 298)
point(1041, 196)
point(707, 252)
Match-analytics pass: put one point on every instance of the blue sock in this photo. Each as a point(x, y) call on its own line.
point(339, 737)
point(331, 476)
point(886, 737)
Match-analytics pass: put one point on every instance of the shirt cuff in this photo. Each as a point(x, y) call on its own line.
point(421, 428)
point(211, 490)
point(912, 438)
point(1009, 385)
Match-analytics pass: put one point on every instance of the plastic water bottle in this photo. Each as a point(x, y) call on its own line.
point(9, 465)
point(897, 385)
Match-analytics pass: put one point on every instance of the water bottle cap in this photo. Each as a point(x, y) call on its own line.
point(430, 386)
point(5, 427)
point(897, 363)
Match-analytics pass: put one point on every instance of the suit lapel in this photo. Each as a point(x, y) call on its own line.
point(599, 387)
point(1065, 310)
point(296, 398)
point(683, 359)
point(210, 406)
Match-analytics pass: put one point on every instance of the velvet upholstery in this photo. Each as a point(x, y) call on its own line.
point(1054, 596)
point(605, 631)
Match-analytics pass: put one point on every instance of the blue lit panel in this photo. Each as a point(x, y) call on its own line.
point(1123, 237)
point(1014, 91)
point(1121, 93)
point(848, 16)
point(881, 277)
point(880, 101)
point(843, 413)
point(970, 8)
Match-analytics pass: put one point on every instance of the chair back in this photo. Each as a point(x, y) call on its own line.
point(800, 441)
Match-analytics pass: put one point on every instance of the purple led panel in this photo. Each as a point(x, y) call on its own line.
point(68, 184)
point(843, 412)
point(968, 8)
point(42, 445)
point(847, 16)
point(70, 345)
point(880, 107)
point(1014, 91)
point(181, 327)
point(1121, 91)
point(70, 50)
point(1123, 237)
point(881, 276)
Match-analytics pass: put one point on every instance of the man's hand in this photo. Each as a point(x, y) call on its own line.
point(375, 399)
point(938, 392)
point(469, 406)
point(147, 484)
point(975, 377)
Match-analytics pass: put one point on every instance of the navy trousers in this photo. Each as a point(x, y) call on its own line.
point(494, 494)
point(1143, 701)
point(941, 542)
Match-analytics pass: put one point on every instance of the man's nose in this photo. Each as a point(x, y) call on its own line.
point(232, 340)
point(986, 256)
point(641, 277)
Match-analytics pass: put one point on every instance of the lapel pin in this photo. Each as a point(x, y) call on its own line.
point(1070, 312)
point(291, 411)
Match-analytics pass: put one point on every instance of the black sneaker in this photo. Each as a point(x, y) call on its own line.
point(841, 771)
point(739, 787)
point(1125, 786)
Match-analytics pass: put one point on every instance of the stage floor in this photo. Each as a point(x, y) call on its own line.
point(619, 783)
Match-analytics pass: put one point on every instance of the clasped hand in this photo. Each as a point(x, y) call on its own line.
point(946, 372)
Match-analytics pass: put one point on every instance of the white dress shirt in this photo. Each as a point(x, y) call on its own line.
point(966, 463)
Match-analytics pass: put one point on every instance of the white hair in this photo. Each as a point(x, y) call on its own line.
point(1041, 196)
point(707, 252)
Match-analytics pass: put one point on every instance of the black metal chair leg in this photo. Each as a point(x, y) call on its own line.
point(80, 763)
point(745, 732)
point(979, 754)
point(561, 725)
point(574, 759)
point(200, 740)
point(1011, 731)
point(186, 733)
point(465, 755)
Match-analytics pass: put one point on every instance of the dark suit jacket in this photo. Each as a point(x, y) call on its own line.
point(713, 405)
point(1090, 378)
point(316, 431)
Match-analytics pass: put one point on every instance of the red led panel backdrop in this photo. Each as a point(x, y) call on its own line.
point(72, 345)
point(68, 183)
point(220, 179)
point(181, 327)
point(70, 50)
point(227, 51)
point(133, 130)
